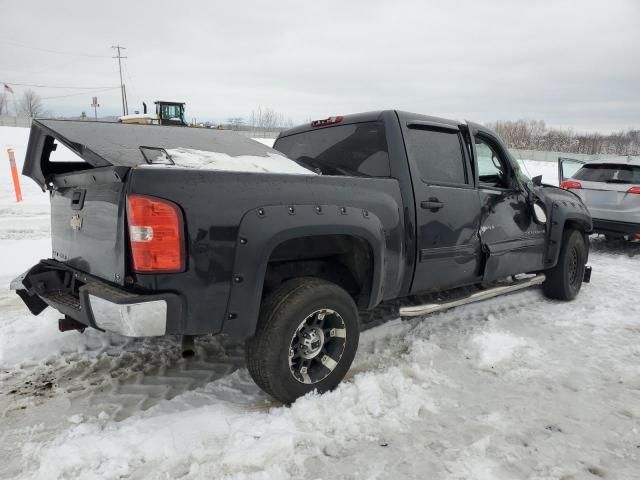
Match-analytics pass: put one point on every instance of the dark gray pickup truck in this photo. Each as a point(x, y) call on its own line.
point(165, 230)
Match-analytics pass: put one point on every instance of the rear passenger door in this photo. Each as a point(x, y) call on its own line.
point(447, 206)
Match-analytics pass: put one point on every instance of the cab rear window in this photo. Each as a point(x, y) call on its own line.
point(609, 173)
point(358, 149)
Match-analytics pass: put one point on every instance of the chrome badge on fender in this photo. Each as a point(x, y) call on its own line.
point(76, 222)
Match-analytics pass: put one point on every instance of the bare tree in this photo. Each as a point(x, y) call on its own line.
point(534, 135)
point(257, 119)
point(4, 105)
point(266, 120)
point(269, 120)
point(30, 104)
point(235, 122)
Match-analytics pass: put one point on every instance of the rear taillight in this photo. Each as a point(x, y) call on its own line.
point(156, 235)
point(635, 190)
point(571, 185)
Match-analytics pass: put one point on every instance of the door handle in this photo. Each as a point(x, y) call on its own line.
point(432, 204)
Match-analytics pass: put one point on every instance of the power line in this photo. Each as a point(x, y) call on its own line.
point(128, 76)
point(55, 86)
point(81, 93)
point(58, 66)
point(47, 50)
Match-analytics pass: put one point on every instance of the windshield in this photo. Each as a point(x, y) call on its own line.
point(358, 149)
point(172, 112)
point(609, 173)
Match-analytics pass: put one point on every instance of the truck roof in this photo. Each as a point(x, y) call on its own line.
point(367, 117)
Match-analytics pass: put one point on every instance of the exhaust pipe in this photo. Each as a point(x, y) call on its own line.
point(188, 346)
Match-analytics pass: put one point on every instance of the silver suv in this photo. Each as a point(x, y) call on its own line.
point(611, 191)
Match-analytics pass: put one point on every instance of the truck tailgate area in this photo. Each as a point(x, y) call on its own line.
point(88, 231)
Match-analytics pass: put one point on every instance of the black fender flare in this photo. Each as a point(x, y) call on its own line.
point(563, 211)
point(262, 229)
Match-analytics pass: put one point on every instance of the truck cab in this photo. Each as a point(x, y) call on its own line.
point(467, 203)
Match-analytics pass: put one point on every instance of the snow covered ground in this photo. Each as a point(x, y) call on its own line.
point(518, 387)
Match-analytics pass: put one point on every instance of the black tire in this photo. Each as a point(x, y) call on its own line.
point(565, 279)
point(288, 314)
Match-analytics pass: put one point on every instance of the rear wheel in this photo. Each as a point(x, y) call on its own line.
point(306, 339)
point(565, 279)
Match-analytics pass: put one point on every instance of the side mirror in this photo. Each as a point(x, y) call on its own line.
point(537, 180)
point(539, 212)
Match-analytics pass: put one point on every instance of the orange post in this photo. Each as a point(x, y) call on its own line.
point(14, 175)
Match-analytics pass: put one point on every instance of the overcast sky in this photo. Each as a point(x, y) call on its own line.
point(570, 63)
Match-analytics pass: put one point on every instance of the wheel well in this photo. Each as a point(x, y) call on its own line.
point(577, 225)
point(574, 225)
point(342, 259)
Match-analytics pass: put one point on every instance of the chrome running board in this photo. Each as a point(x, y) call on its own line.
point(418, 310)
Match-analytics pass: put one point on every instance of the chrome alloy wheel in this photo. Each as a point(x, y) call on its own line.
point(317, 346)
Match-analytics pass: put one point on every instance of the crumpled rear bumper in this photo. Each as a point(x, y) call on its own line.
point(96, 303)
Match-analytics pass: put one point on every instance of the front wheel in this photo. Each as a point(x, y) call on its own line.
point(306, 339)
point(565, 279)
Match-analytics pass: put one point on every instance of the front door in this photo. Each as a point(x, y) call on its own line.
point(447, 207)
point(568, 167)
point(512, 241)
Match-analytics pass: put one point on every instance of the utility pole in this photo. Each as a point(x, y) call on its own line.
point(125, 107)
point(95, 105)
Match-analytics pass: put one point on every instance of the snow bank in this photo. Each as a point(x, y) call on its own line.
point(198, 436)
point(204, 160)
point(29, 218)
point(496, 347)
point(548, 170)
point(141, 116)
point(265, 141)
point(515, 387)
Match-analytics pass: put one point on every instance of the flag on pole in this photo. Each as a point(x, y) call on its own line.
point(7, 88)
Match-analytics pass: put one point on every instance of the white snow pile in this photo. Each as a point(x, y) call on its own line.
point(498, 347)
point(548, 170)
point(205, 160)
point(136, 116)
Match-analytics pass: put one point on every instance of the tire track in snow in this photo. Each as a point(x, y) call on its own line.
point(121, 377)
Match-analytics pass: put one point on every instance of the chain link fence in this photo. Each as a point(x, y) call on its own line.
point(547, 156)
point(24, 122)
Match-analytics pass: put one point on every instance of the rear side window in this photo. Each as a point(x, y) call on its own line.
point(609, 173)
point(358, 149)
point(438, 155)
